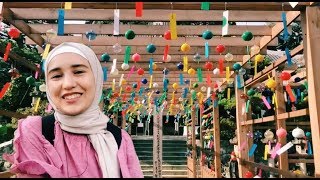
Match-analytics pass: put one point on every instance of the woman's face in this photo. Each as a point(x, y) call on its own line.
point(71, 83)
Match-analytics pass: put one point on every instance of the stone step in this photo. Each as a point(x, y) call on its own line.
point(166, 162)
point(165, 172)
point(164, 167)
point(169, 176)
point(146, 157)
point(138, 148)
point(163, 145)
point(166, 153)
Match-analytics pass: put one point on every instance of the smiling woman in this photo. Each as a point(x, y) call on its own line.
point(82, 143)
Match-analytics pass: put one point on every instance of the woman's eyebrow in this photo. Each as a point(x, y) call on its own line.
point(73, 66)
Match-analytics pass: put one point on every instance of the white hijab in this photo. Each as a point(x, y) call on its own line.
point(92, 122)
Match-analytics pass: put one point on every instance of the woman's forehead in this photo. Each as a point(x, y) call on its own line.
point(67, 59)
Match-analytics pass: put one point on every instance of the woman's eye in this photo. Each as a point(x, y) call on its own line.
point(56, 76)
point(79, 72)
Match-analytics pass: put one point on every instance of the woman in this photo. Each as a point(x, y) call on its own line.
point(82, 146)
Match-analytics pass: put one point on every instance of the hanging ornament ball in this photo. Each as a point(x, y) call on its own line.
point(134, 85)
point(168, 59)
point(166, 80)
point(228, 57)
point(207, 35)
point(185, 47)
point(91, 35)
point(255, 49)
point(14, 73)
point(154, 66)
point(130, 34)
point(285, 76)
point(157, 91)
point(247, 36)
point(124, 66)
point(42, 88)
point(155, 85)
point(208, 66)
point(298, 133)
point(30, 80)
point(199, 94)
point(14, 33)
point(297, 79)
point(248, 174)
point(268, 134)
point(242, 71)
point(165, 71)
point(308, 134)
point(259, 58)
point(203, 89)
point(123, 82)
point(271, 83)
point(197, 57)
point(128, 88)
point(281, 133)
point(250, 92)
point(187, 81)
point(180, 66)
point(140, 71)
point(220, 48)
point(105, 57)
point(191, 71)
point(195, 85)
point(215, 85)
point(167, 35)
point(236, 66)
point(175, 86)
point(261, 87)
point(216, 71)
point(51, 33)
point(114, 72)
point(151, 48)
point(144, 81)
point(117, 48)
point(243, 96)
point(136, 57)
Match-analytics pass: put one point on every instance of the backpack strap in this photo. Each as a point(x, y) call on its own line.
point(116, 132)
point(48, 127)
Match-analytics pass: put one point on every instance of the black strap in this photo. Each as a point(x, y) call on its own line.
point(116, 131)
point(48, 129)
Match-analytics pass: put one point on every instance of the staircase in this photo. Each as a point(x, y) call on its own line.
point(174, 161)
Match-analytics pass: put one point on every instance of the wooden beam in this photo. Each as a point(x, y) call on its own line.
point(184, 30)
point(254, 6)
point(312, 38)
point(216, 135)
point(145, 58)
point(12, 114)
point(148, 15)
point(9, 17)
point(20, 60)
point(157, 41)
point(266, 40)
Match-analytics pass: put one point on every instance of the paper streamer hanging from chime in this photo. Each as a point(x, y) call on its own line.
point(173, 26)
point(205, 6)
point(68, 5)
point(139, 8)
point(225, 23)
point(4, 89)
point(116, 22)
point(61, 22)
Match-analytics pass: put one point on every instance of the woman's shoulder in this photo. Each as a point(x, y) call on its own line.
point(30, 126)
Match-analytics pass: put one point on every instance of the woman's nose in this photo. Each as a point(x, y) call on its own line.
point(69, 82)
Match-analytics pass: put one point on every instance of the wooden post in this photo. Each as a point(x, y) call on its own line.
point(216, 135)
point(201, 142)
point(312, 37)
point(242, 130)
point(283, 158)
point(194, 146)
point(157, 143)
